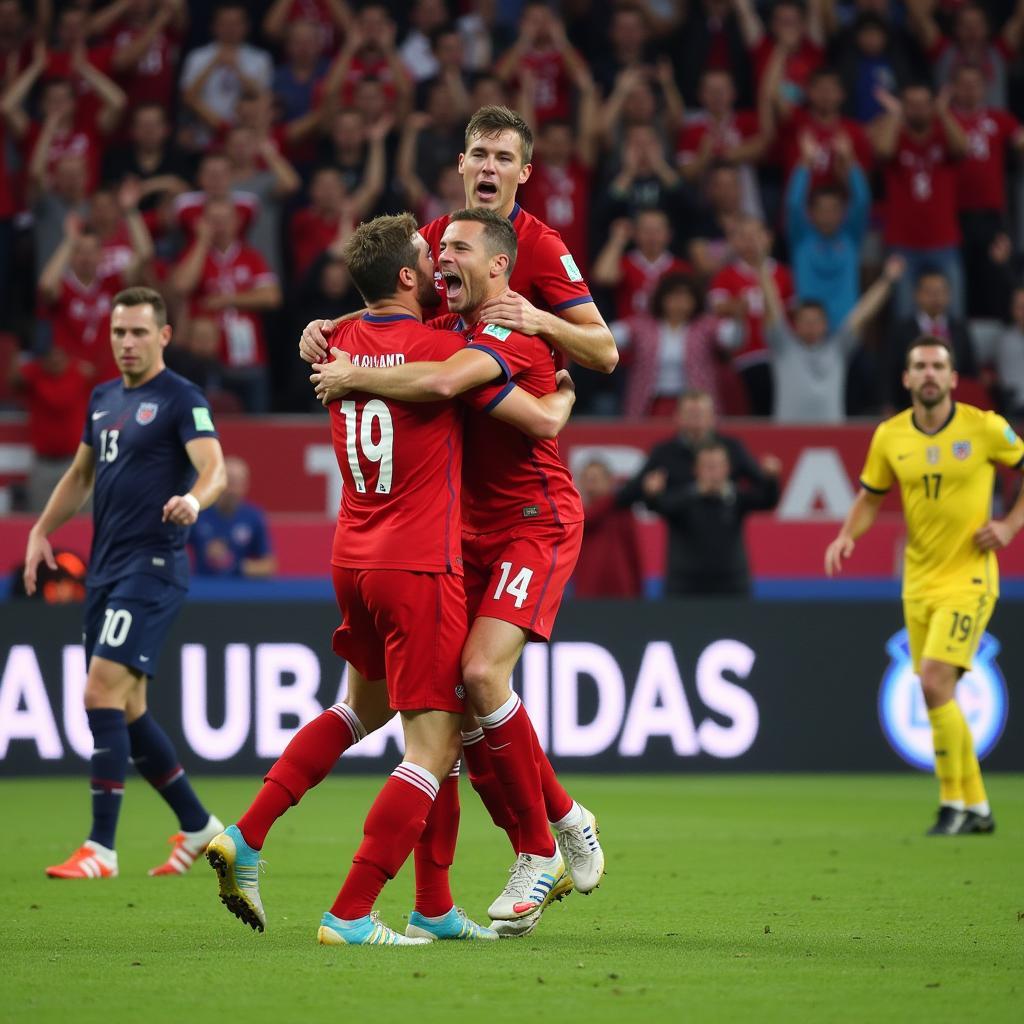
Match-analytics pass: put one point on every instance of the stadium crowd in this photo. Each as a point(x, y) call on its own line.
point(767, 201)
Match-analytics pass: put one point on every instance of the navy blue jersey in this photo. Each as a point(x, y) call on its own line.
point(138, 438)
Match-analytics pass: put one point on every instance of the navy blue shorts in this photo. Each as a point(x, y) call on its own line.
point(127, 621)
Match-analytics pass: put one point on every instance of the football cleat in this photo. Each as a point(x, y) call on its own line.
point(975, 824)
point(533, 883)
point(90, 860)
point(454, 925)
point(363, 931)
point(238, 873)
point(584, 858)
point(948, 822)
point(519, 928)
point(187, 847)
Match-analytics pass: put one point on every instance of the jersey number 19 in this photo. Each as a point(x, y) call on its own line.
point(380, 451)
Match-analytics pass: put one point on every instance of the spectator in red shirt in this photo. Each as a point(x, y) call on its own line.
point(314, 227)
point(543, 50)
point(972, 43)
point(610, 563)
point(329, 18)
point(560, 186)
point(822, 119)
point(981, 187)
point(798, 34)
point(55, 389)
point(145, 37)
point(736, 290)
point(369, 53)
point(67, 127)
point(215, 181)
point(223, 277)
point(635, 258)
point(919, 143)
point(717, 133)
point(76, 298)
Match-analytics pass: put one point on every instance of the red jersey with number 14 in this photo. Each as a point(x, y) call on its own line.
point(545, 272)
point(508, 478)
point(401, 462)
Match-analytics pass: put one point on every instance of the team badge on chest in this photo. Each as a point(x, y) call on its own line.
point(961, 450)
point(146, 413)
point(932, 454)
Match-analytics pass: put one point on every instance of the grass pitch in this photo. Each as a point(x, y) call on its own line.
point(727, 899)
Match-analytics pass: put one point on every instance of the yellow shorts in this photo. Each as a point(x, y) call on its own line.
point(947, 627)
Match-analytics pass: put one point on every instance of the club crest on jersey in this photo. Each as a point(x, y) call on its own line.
point(146, 413)
point(961, 450)
point(932, 454)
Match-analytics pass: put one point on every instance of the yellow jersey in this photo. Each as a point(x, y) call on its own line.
point(946, 481)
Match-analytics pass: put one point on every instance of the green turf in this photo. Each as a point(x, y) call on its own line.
point(726, 899)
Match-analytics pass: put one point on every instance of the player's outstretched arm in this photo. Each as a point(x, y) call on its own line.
point(206, 456)
point(579, 331)
point(859, 520)
point(411, 382)
point(542, 418)
point(70, 494)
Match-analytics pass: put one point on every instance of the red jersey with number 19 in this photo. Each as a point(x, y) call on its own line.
point(508, 478)
point(545, 272)
point(401, 462)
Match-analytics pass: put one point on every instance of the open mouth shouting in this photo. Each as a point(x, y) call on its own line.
point(486, 192)
point(452, 283)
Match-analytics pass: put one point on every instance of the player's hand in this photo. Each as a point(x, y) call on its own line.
point(565, 383)
point(994, 535)
point(178, 511)
point(313, 343)
point(332, 381)
point(514, 311)
point(840, 549)
point(38, 550)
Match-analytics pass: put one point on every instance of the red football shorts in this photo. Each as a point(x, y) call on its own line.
point(408, 628)
point(519, 575)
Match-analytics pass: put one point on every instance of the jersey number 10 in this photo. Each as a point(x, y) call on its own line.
point(381, 452)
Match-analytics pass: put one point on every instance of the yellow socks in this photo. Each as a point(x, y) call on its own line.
point(970, 772)
point(949, 736)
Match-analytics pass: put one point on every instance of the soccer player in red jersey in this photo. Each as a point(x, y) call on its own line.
point(547, 295)
point(522, 528)
point(397, 551)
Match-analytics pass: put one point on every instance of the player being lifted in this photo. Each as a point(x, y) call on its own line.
point(399, 532)
point(147, 436)
point(942, 455)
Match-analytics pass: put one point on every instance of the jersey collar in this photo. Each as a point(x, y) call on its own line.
point(949, 419)
point(373, 318)
point(516, 210)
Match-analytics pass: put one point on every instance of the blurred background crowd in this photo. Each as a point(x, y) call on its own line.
point(768, 200)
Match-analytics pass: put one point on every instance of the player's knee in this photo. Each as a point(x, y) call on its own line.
point(480, 678)
point(372, 713)
point(107, 686)
point(938, 683)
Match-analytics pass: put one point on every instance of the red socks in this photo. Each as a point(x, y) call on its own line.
point(306, 761)
point(394, 824)
point(557, 802)
point(487, 785)
point(509, 737)
point(435, 850)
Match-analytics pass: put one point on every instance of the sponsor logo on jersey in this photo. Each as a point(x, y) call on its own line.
point(981, 694)
point(460, 691)
point(571, 270)
point(932, 454)
point(501, 333)
point(146, 413)
point(961, 450)
point(531, 512)
point(99, 415)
